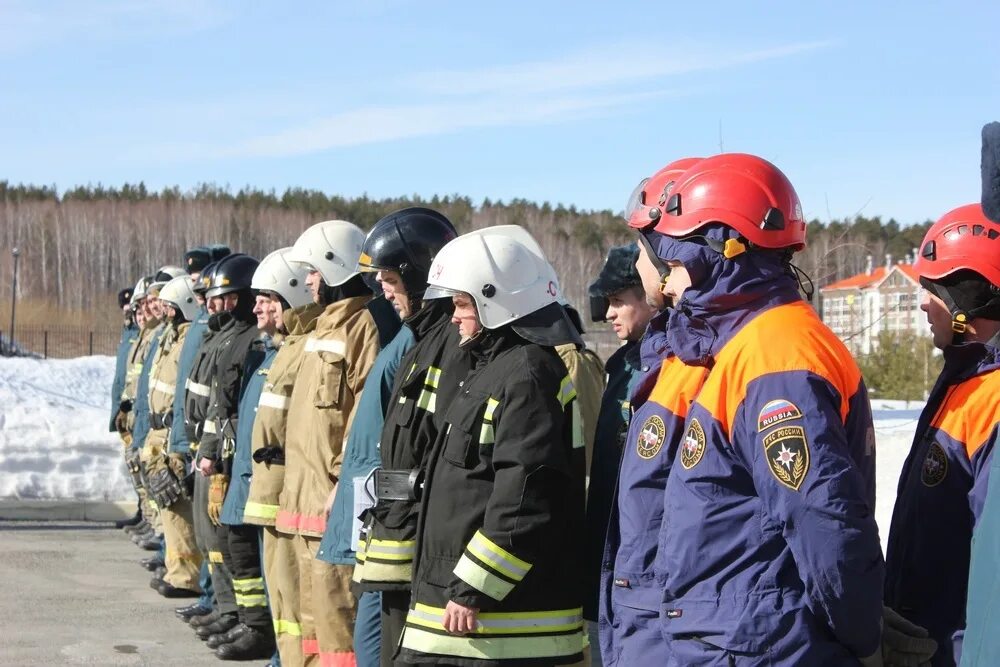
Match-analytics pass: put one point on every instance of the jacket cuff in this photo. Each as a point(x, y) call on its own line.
point(489, 568)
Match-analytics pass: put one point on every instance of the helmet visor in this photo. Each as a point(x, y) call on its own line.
point(366, 264)
point(436, 292)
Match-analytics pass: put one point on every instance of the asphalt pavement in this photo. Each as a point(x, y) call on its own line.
point(74, 593)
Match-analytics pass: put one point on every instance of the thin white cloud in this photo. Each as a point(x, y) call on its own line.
point(371, 125)
point(27, 25)
point(608, 66)
point(583, 85)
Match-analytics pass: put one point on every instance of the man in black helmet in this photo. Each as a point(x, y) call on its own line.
point(398, 250)
point(231, 294)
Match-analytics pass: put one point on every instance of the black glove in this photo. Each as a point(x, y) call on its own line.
point(164, 487)
point(270, 456)
point(125, 406)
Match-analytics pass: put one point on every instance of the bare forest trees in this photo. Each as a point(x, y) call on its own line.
point(80, 247)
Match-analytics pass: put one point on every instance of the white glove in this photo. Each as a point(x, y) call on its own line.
point(904, 644)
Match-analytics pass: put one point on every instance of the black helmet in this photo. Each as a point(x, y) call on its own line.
point(205, 279)
point(232, 273)
point(406, 242)
point(124, 297)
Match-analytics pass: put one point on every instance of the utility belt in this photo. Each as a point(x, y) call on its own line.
point(398, 484)
point(161, 420)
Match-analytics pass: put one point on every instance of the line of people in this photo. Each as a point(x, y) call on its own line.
point(354, 483)
point(289, 500)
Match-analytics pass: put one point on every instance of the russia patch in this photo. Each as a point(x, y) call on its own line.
point(776, 412)
point(935, 467)
point(651, 437)
point(787, 454)
point(693, 447)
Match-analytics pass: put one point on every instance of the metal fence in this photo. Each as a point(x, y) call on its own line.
point(59, 341)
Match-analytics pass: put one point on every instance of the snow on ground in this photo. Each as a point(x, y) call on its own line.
point(54, 439)
point(895, 423)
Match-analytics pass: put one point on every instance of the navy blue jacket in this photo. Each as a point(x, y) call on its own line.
point(361, 455)
point(192, 341)
point(942, 489)
point(129, 334)
point(254, 379)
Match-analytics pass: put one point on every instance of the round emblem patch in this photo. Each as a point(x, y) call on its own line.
point(651, 437)
point(935, 466)
point(693, 447)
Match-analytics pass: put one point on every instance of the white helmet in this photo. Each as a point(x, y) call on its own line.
point(520, 234)
point(332, 248)
point(502, 271)
point(179, 293)
point(164, 276)
point(139, 293)
point(288, 279)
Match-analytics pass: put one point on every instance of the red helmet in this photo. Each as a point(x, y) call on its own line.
point(963, 238)
point(646, 204)
point(744, 192)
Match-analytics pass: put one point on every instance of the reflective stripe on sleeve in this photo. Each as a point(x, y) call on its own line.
point(320, 345)
point(199, 389)
point(276, 401)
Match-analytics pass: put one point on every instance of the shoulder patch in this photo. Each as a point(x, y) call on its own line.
point(693, 447)
point(776, 412)
point(787, 454)
point(651, 437)
point(935, 466)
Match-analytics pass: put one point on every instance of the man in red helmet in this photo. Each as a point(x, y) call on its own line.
point(630, 591)
point(768, 550)
point(943, 484)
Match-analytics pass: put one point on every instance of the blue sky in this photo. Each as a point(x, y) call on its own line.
point(867, 106)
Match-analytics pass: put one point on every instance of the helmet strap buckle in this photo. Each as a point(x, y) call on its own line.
point(959, 322)
point(733, 248)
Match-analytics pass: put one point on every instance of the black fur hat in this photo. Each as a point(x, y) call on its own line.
point(991, 171)
point(619, 271)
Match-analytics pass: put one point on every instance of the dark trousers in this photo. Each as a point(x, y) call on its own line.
point(213, 542)
point(243, 560)
point(395, 605)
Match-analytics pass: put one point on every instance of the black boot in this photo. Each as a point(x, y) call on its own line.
point(191, 611)
point(224, 624)
point(152, 564)
point(156, 582)
point(169, 591)
point(255, 644)
point(215, 641)
point(140, 526)
point(209, 618)
point(131, 521)
point(151, 544)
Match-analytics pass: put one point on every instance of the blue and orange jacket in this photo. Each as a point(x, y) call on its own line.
point(769, 547)
point(659, 404)
point(942, 490)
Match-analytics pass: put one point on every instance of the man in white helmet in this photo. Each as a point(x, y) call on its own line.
point(498, 574)
point(168, 473)
point(336, 361)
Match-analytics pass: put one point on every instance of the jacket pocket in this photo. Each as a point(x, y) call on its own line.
point(329, 393)
point(750, 628)
point(464, 426)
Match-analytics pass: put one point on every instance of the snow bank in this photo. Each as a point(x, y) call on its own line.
point(895, 424)
point(54, 439)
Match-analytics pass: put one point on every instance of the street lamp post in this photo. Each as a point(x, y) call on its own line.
point(13, 300)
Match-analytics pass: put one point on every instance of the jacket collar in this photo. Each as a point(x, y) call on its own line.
point(432, 316)
point(338, 312)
